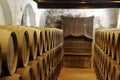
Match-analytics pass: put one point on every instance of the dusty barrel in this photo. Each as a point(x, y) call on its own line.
point(42, 66)
point(32, 41)
point(108, 66)
point(23, 44)
point(51, 76)
point(0, 60)
point(51, 38)
point(111, 75)
point(117, 72)
point(109, 44)
point(106, 42)
point(50, 55)
point(35, 69)
point(54, 37)
point(102, 61)
point(118, 49)
point(105, 64)
point(46, 58)
point(13, 77)
point(114, 45)
point(97, 37)
point(25, 73)
point(9, 50)
point(44, 39)
point(102, 40)
point(40, 40)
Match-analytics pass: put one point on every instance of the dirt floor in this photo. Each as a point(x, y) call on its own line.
point(77, 74)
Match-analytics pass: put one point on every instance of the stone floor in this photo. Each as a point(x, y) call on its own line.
point(77, 74)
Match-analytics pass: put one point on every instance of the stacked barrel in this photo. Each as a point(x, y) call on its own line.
point(107, 54)
point(30, 53)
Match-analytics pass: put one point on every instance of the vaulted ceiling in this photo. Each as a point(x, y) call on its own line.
point(78, 3)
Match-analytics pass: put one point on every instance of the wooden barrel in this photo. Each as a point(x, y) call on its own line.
point(106, 42)
point(44, 40)
point(35, 69)
point(51, 77)
point(113, 46)
point(52, 38)
point(49, 38)
point(117, 72)
point(41, 43)
point(23, 44)
point(46, 63)
point(111, 76)
point(12, 77)
point(108, 66)
point(102, 39)
point(33, 42)
point(118, 49)
point(109, 44)
point(51, 58)
point(25, 73)
point(9, 50)
point(40, 40)
point(42, 66)
point(0, 60)
point(102, 61)
point(105, 64)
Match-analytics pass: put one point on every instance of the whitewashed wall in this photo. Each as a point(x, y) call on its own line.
point(5, 13)
point(118, 26)
point(20, 11)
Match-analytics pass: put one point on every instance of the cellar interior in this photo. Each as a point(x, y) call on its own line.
point(59, 40)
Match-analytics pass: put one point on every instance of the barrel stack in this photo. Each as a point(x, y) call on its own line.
point(30, 53)
point(107, 54)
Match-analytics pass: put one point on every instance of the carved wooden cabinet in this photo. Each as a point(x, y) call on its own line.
point(78, 33)
point(77, 51)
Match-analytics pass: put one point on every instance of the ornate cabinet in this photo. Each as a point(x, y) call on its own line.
point(77, 41)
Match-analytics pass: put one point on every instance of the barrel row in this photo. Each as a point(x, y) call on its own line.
point(36, 52)
point(106, 54)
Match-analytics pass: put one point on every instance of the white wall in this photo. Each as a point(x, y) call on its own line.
point(118, 25)
point(106, 18)
point(6, 17)
point(2, 21)
point(12, 11)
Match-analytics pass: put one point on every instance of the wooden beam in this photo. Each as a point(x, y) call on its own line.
point(81, 4)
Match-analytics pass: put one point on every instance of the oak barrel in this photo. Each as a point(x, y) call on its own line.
point(9, 50)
